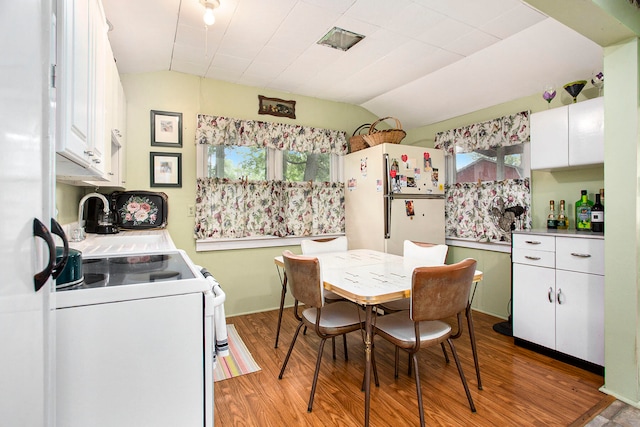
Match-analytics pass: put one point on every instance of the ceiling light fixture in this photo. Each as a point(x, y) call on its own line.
point(340, 39)
point(209, 6)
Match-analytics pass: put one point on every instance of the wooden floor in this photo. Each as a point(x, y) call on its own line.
point(520, 387)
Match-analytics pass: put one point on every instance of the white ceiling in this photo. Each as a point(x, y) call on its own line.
point(422, 61)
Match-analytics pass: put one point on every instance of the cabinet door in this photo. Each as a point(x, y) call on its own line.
point(534, 304)
point(550, 139)
point(580, 315)
point(586, 132)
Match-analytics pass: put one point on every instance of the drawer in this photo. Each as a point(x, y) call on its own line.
point(531, 257)
point(534, 242)
point(581, 255)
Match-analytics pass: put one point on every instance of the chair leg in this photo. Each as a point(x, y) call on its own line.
point(414, 359)
point(444, 351)
point(397, 362)
point(282, 295)
point(315, 375)
point(474, 348)
point(344, 343)
point(286, 359)
point(462, 378)
point(409, 368)
point(333, 347)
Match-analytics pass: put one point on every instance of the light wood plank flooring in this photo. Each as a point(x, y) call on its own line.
point(520, 387)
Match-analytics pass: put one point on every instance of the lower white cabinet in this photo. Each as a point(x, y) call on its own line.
point(558, 293)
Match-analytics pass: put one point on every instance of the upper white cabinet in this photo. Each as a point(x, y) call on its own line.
point(113, 129)
point(572, 135)
point(80, 83)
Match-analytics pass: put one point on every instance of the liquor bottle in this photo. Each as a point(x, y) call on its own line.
point(552, 221)
point(597, 215)
point(583, 212)
point(563, 220)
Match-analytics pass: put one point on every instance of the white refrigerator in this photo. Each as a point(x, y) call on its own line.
point(393, 193)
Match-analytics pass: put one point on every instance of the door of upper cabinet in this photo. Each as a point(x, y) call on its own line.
point(586, 132)
point(550, 139)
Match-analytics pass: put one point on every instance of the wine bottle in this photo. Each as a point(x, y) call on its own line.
point(583, 212)
point(563, 220)
point(597, 216)
point(552, 221)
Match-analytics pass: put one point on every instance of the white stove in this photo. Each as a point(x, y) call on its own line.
point(135, 343)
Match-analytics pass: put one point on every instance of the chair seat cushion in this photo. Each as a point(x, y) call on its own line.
point(397, 305)
point(337, 315)
point(400, 329)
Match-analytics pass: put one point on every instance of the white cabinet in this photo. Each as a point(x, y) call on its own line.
point(572, 135)
point(558, 293)
point(80, 82)
point(113, 129)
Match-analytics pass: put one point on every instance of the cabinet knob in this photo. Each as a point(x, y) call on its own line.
point(89, 153)
point(97, 161)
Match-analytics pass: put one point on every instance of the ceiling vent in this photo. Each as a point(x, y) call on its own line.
point(340, 39)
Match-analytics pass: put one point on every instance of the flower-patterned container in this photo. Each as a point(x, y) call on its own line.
point(140, 210)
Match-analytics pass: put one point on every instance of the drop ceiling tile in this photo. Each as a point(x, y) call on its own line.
point(444, 32)
point(471, 12)
point(471, 43)
point(376, 12)
point(230, 63)
point(337, 6)
point(512, 21)
point(413, 19)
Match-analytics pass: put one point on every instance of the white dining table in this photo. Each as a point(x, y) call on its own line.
point(369, 278)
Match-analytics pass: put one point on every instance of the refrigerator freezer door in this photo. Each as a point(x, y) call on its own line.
point(420, 220)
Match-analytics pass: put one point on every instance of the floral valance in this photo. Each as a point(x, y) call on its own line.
point(217, 130)
point(501, 132)
point(238, 208)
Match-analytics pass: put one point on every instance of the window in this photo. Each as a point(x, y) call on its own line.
point(235, 162)
point(495, 164)
point(257, 164)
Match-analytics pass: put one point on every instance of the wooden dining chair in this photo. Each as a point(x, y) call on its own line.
point(437, 293)
point(313, 247)
point(327, 320)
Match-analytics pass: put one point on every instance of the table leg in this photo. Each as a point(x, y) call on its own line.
point(368, 331)
point(474, 349)
point(282, 295)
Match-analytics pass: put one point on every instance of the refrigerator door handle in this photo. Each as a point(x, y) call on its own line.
point(387, 197)
point(40, 230)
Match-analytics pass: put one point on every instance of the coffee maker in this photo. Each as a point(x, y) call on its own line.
point(96, 220)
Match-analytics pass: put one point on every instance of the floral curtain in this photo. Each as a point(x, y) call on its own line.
point(501, 132)
point(238, 208)
point(485, 211)
point(217, 130)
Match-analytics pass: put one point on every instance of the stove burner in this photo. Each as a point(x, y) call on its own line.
point(153, 276)
point(139, 259)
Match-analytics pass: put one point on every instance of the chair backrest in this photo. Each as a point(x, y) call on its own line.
point(319, 246)
point(430, 253)
point(303, 277)
point(441, 291)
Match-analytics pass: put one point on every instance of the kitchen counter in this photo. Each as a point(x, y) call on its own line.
point(561, 233)
point(127, 241)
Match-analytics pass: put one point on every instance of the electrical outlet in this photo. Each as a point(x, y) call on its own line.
point(191, 210)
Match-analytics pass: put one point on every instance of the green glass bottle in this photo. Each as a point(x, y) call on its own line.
point(583, 212)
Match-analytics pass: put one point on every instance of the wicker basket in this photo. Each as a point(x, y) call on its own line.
point(393, 136)
point(357, 142)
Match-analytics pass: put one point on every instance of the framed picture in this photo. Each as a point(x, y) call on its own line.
point(166, 129)
point(166, 169)
point(277, 107)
